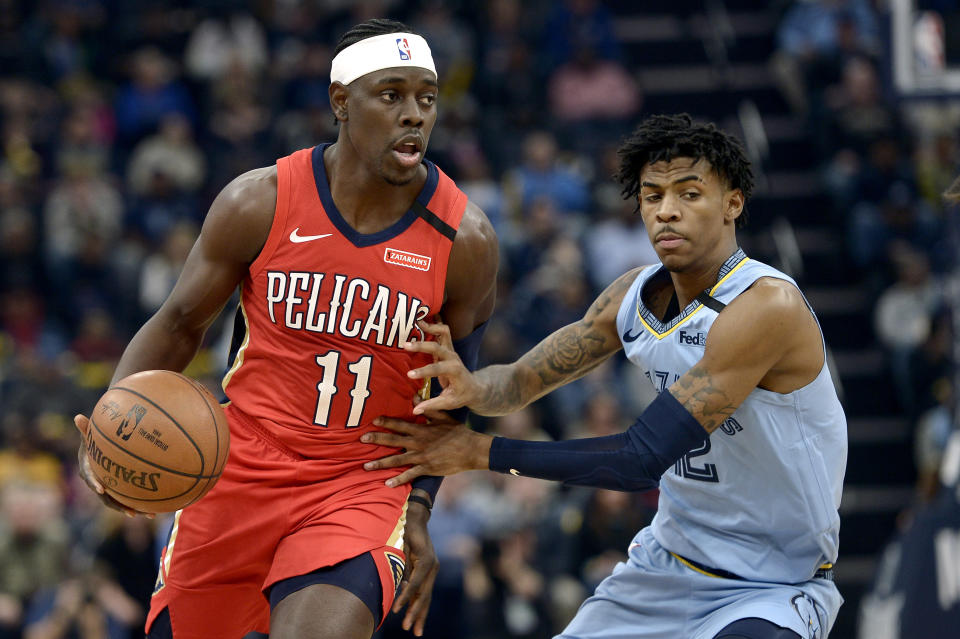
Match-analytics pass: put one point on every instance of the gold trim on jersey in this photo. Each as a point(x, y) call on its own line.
point(424, 392)
point(691, 566)
point(163, 574)
point(238, 360)
point(693, 312)
point(694, 568)
point(671, 329)
point(396, 537)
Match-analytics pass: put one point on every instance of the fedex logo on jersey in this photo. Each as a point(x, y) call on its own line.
point(404, 48)
point(692, 339)
point(405, 258)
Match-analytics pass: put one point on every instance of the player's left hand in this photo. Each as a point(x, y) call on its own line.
point(416, 587)
point(441, 447)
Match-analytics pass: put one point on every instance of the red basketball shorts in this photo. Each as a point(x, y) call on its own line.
point(272, 515)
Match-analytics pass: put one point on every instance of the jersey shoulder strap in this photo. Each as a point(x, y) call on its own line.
point(446, 207)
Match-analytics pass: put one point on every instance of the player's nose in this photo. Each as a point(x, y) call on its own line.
point(668, 209)
point(412, 113)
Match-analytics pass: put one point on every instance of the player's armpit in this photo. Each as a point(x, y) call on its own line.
point(766, 337)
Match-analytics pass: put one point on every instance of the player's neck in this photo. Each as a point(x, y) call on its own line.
point(697, 278)
point(366, 201)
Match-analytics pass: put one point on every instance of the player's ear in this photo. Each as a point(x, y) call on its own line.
point(733, 205)
point(338, 100)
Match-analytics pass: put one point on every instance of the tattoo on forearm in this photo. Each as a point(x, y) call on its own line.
point(577, 349)
point(703, 399)
point(569, 353)
point(502, 392)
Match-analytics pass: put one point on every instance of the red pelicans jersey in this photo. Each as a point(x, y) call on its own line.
point(326, 311)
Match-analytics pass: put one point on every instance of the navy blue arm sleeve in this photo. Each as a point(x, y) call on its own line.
point(468, 349)
point(632, 460)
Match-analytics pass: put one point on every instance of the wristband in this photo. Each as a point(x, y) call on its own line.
point(421, 500)
point(429, 484)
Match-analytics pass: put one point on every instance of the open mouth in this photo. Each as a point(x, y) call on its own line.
point(407, 153)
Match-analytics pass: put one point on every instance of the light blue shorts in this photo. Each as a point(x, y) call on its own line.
point(654, 596)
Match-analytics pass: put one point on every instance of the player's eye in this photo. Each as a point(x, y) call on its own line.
point(389, 96)
point(428, 100)
point(651, 197)
point(691, 195)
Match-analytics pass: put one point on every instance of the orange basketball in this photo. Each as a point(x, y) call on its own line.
point(157, 441)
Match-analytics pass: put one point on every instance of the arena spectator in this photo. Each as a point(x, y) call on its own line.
point(173, 153)
point(904, 315)
point(218, 43)
point(152, 93)
point(814, 39)
point(592, 98)
point(123, 578)
point(579, 22)
point(33, 547)
point(544, 175)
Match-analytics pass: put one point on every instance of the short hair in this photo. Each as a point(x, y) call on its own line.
point(368, 29)
point(661, 138)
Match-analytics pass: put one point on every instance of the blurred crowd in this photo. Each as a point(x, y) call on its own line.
point(886, 165)
point(120, 121)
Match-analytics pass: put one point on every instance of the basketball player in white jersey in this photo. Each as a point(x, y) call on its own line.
point(746, 439)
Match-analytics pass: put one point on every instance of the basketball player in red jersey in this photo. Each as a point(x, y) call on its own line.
point(338, 250)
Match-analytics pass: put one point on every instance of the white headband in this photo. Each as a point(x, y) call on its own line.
point(381, 52)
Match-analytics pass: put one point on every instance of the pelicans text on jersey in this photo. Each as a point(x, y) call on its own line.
point(326, 310)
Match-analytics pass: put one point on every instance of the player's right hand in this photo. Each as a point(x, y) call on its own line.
point(460, 387)
point(82, 422)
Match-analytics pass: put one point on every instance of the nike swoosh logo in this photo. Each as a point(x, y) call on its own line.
point(627, 337)
point(296, 239)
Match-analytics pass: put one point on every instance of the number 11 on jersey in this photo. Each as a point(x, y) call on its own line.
point(327, 387)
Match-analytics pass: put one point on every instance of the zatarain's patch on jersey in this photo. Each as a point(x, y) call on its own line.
point(396, 567)
point(406, 258)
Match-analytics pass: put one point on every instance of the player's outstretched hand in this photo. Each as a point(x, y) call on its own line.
point(440, 447)
point(459, 385)
point(82, 422)
point(416, 588)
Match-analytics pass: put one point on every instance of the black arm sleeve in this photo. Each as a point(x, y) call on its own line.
point(630, 461)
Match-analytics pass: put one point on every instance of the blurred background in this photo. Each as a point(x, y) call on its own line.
point(120, 121)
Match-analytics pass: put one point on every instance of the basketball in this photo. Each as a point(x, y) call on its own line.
point(157, 441)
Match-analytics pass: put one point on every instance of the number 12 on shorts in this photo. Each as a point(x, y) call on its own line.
point(327, 387)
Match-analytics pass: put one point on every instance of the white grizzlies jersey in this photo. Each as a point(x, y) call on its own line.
point(760, 497)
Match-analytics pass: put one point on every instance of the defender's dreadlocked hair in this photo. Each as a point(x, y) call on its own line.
point(661, 138)
point(368, 29)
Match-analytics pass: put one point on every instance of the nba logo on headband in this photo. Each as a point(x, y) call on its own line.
point(384, 51)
